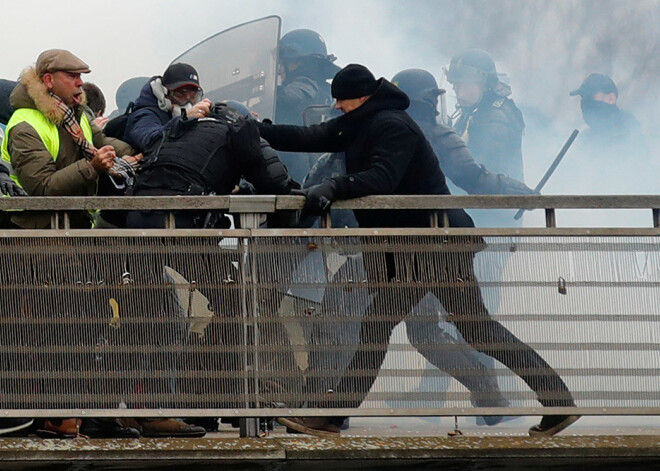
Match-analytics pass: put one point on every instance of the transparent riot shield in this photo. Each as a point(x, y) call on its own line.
point(240, 64)
point(316, 114)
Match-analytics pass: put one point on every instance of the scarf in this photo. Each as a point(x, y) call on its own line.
point(73, 128)
point(124, 168)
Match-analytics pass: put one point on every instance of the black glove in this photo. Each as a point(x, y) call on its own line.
point(9, 186)
point(319, 197)
point(245, 188)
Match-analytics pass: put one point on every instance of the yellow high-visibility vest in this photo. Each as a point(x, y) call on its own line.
point(46, 129)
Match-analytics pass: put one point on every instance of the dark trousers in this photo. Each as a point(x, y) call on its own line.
point(402, 279)
point(55, 311)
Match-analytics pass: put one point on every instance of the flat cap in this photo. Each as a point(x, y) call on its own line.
point(54, 60)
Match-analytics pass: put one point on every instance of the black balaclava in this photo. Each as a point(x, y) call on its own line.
point(598, 114)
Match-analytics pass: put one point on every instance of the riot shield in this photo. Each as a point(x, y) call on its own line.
point(240, 64)
point(316, 114)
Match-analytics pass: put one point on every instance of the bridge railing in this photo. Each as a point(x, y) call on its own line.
point(250, 205)
point(258, 322)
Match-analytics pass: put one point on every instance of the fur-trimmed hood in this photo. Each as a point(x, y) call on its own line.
point(32, 93)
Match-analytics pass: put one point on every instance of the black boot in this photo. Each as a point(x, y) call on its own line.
point(552, 424)
point(107, 428)
point(210, 424)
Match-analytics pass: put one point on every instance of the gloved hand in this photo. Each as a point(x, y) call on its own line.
point(319, 197)
point(9, 186)
point(516, 187)
point(244, 188)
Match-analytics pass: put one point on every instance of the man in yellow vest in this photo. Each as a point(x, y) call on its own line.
point(54, 151)
point(49, 142)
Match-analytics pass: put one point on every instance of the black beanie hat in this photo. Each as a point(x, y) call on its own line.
point(353, 81)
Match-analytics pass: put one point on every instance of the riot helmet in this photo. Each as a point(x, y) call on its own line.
point(419, 85)
point(473, 66)
point(301, 43)
point(303, 53)
point(240, 108)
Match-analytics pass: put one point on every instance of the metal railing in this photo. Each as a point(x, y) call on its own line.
point(269, 204)
point(258, 322)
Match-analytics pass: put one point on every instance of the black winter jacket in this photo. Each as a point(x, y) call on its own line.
point(145, 124)
point(386, 153)
point(6, 87)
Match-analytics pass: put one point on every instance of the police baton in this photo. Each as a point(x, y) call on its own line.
point(552, 168)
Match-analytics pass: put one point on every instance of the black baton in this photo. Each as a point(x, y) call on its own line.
point(552, 168)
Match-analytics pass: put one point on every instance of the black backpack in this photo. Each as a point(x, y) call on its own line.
point(116, 126)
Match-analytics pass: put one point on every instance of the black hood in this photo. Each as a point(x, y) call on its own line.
point(147, 99)
point(386, 97)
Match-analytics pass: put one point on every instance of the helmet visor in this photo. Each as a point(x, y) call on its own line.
point(465, 74)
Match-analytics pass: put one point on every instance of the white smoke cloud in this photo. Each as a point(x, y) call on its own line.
point(546, 47)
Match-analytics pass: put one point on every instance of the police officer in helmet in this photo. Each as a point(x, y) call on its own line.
point(306, 67)
point(205, 157)
point(455, 159)
point(305, 70)
point(487, 119)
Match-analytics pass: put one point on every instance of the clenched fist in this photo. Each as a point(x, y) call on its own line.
point(104, 159)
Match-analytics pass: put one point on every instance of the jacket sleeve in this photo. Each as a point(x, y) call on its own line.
point(143, 128)
point(492, 140)
point(270, 177)
point(36, 169)
point(459, 166)
point(6, 87)
point(100, 140)
point(324, 137)
point(293, 98)
point(394, 145)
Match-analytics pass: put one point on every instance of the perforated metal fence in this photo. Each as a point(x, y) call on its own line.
point(324, 322)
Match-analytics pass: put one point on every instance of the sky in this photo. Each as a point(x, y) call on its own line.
point(122, 39)
point(546, 48)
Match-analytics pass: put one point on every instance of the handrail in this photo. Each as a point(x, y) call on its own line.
point(270, 203)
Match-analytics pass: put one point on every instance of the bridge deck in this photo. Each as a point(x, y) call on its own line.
point(369, 442)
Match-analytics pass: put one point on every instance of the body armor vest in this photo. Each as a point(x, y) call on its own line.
point(195, 156)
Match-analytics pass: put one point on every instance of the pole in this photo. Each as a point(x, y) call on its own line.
point(552, 168)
